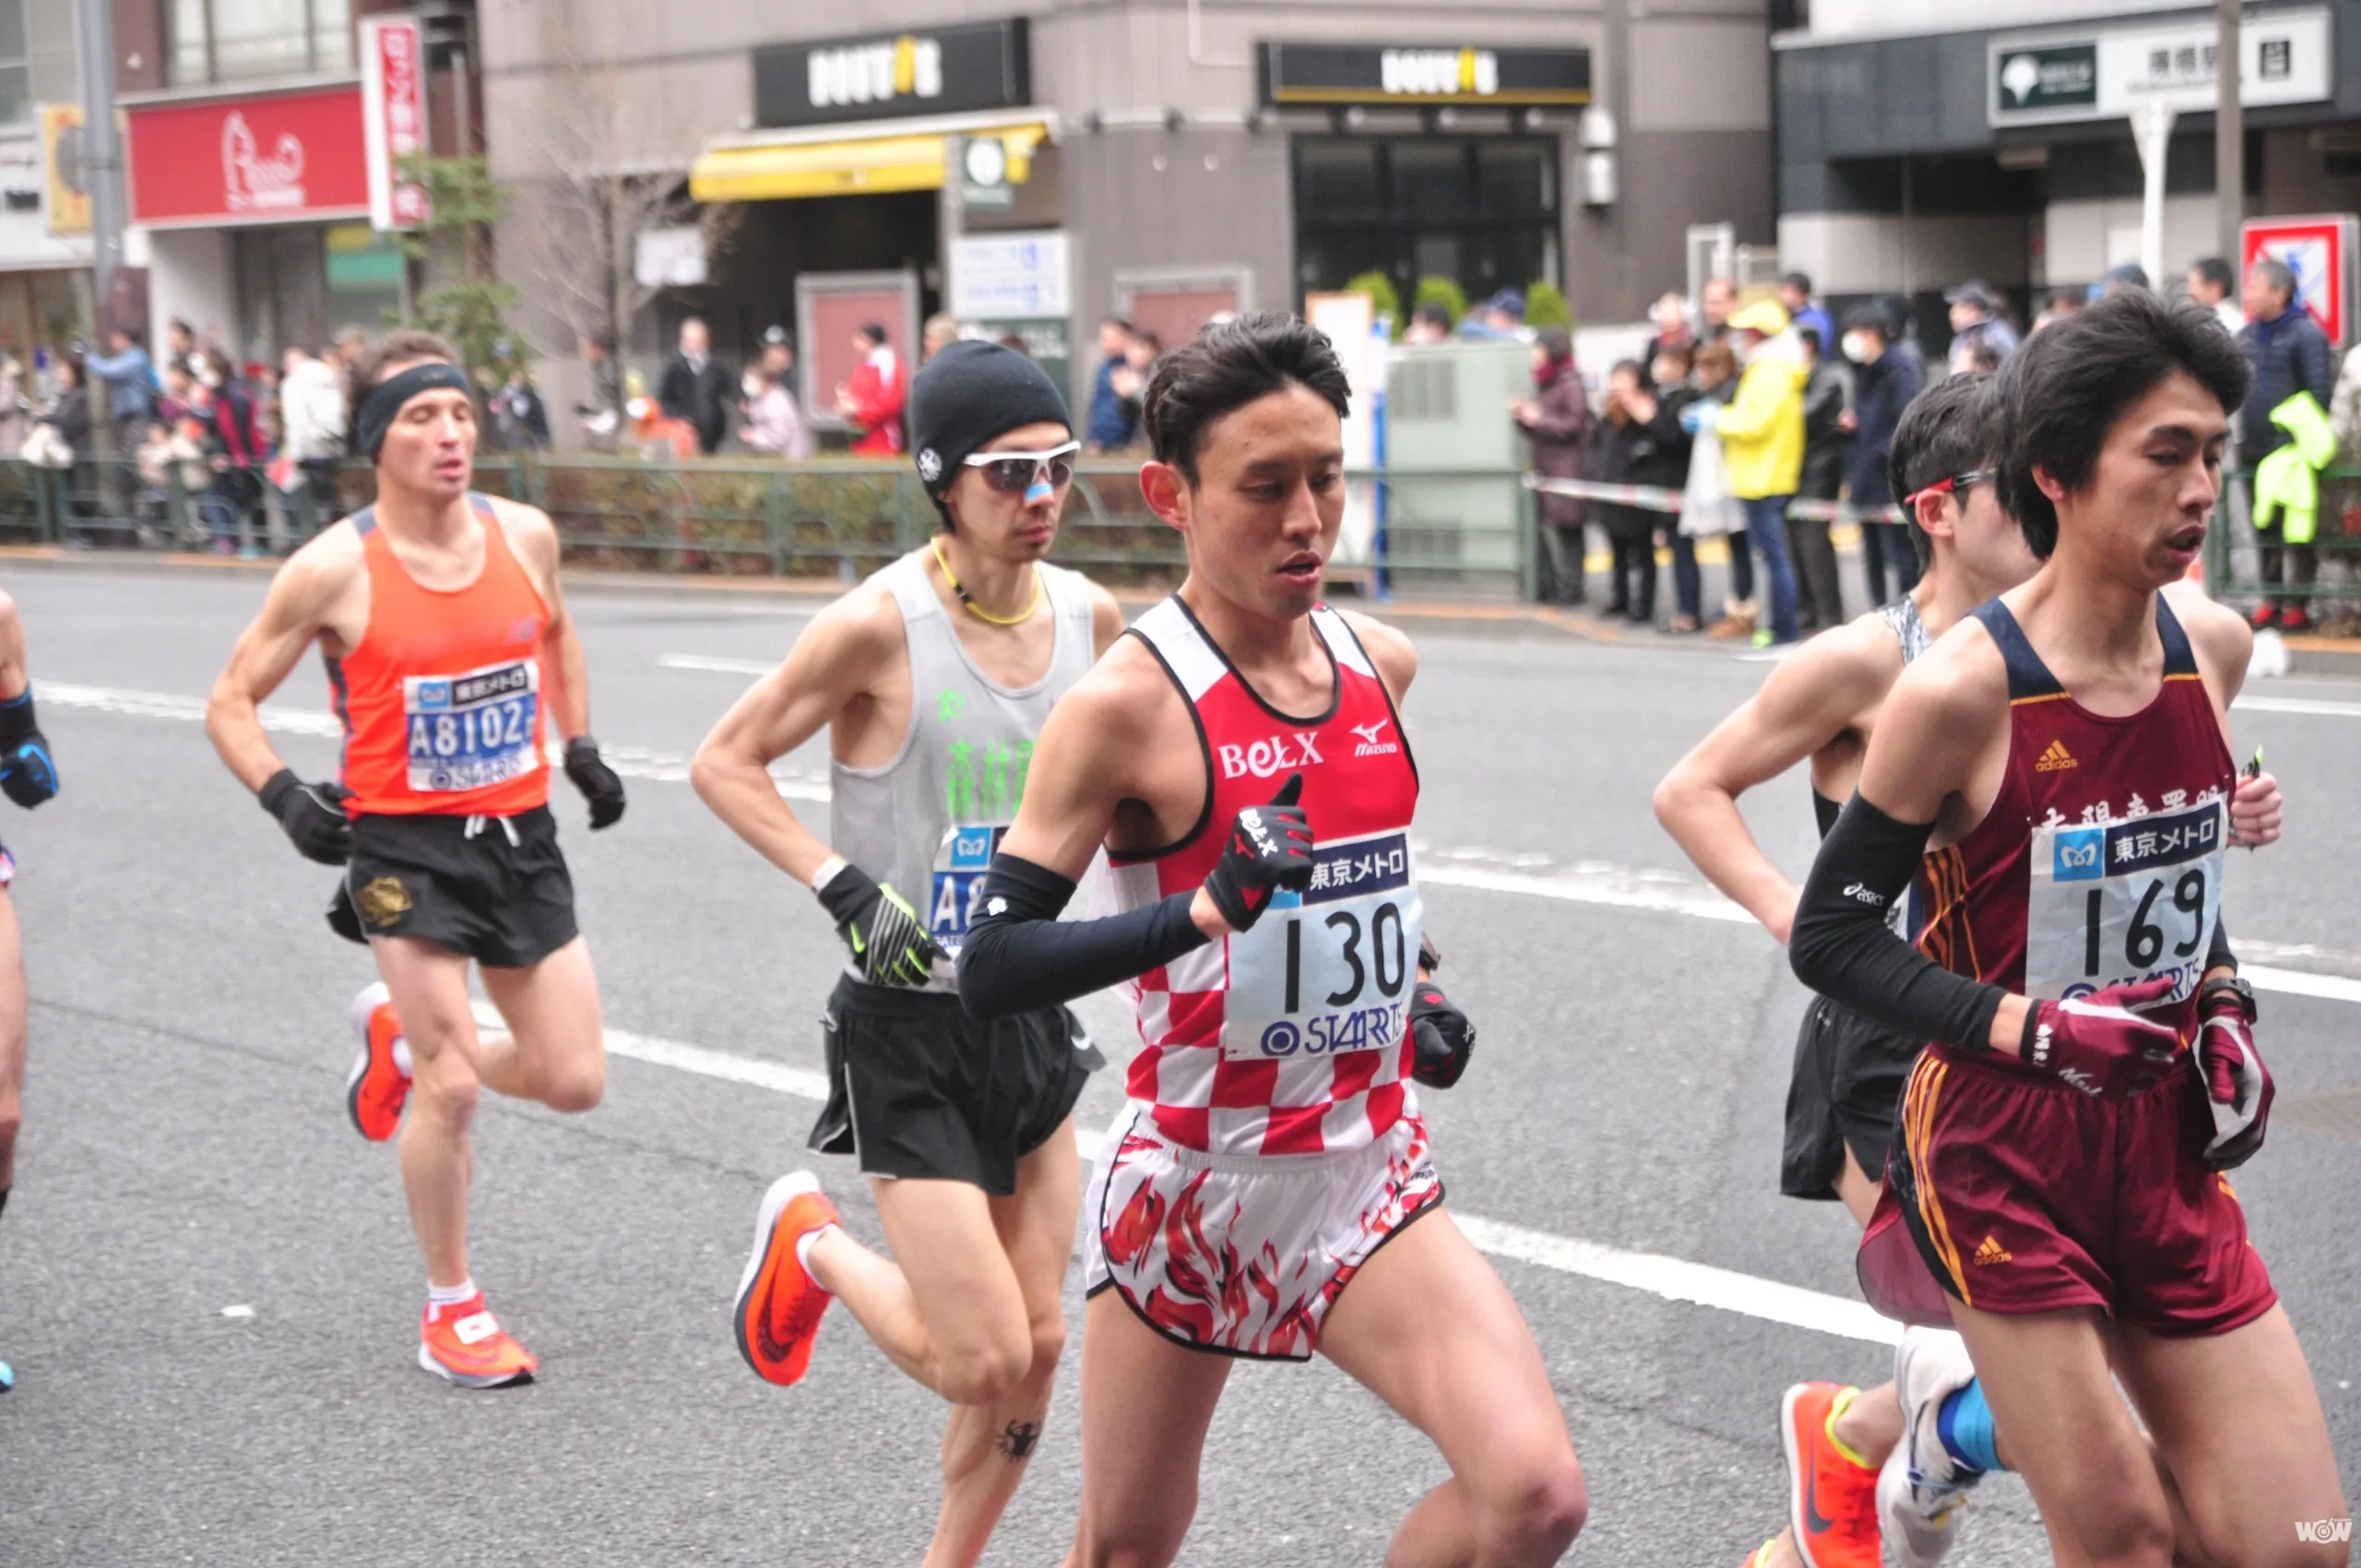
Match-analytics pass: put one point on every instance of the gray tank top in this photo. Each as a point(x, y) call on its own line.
point(926, 823)
point(1901, 618)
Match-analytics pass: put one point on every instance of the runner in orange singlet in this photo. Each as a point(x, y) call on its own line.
point(449, 648)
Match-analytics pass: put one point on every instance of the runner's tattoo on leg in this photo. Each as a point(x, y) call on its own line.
point(1016, 1440)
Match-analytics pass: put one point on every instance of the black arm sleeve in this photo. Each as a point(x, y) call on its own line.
point(1842, 947)
point(1019, 956)
point(2218, 955)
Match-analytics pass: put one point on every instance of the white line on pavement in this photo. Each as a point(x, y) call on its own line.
point(1584, 883)
point(714, 666)
point(1674, 1279)
point(2313, 706)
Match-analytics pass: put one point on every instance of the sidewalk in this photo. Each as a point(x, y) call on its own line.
point(2309, 655)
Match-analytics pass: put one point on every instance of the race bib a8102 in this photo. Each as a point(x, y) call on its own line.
point(960, 862)
point(477, 728)
point(2114, 903)
point(1329, 970)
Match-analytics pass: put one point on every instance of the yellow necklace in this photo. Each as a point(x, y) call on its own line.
point(978, 611)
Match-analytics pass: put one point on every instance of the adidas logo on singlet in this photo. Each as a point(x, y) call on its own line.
point(2056, 759)
point(1992, 1252)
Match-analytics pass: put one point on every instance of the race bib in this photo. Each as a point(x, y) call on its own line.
point(472, 730)
point(2119, 902)
point(960, 861)
point(1329, 970)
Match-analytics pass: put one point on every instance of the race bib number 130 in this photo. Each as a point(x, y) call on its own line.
point(2114, 903)
point(1329, 970)
point(471, 730)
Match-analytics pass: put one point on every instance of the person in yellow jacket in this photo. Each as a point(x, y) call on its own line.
point(1762, 449)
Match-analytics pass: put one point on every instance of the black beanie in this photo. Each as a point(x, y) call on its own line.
point(970, 395)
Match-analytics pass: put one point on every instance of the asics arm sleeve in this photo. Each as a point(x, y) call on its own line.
point(1019, 956)
point(1842, 947)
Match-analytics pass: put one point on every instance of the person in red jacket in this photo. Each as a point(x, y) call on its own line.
point(873, 399)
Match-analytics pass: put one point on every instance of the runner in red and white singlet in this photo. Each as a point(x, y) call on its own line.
point(1289, 1038)
point(1266, 1189)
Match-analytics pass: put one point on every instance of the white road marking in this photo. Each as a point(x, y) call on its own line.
point(2314, 706)
point(714, 666)
point(1585, 882)
point(1674, 1279)
point(630, 762)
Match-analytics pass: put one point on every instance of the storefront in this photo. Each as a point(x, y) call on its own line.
point(256, 212)
point(876, 156)
point(1434, 162)
point(45, 253)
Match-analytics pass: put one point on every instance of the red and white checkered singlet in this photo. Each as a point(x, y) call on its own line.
point(1292, 1037)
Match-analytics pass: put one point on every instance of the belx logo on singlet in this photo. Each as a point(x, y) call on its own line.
point(1268, 759)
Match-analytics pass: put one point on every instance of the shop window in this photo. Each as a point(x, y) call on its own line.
point(16, 70)
point(227, 41)
point(1480, 210)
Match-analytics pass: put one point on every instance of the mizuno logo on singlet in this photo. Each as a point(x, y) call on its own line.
point(2056, 759)
point(1268, 759)
point(1374, 740)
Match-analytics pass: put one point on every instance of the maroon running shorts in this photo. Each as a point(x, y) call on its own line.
point(2021, 1195)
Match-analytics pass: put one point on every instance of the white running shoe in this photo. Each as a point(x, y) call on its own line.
point(1921, 1489)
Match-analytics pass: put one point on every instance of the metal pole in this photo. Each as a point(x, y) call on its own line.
point(101, 157)
point(2229, 136)
point(2151, 127)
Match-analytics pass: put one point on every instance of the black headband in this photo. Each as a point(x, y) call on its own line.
point(386, 399)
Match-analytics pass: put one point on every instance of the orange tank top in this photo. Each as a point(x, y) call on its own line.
point(442, 700)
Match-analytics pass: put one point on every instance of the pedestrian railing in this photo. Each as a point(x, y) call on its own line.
point(2238, 556)
point(1408, 530)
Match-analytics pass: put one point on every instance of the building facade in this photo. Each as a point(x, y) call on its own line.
point(1161, 160)
point(44, 218)
point(1923, 144)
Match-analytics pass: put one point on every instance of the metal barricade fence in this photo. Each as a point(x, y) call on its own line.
point(1409, 531)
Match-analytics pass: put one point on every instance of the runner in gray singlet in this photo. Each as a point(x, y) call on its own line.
point(932, 680)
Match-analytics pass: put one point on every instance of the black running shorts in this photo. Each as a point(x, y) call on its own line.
point(493, 888)
point(1845, 1090)
point(917, 1088)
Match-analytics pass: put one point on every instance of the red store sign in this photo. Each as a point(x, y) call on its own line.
point(298, 155)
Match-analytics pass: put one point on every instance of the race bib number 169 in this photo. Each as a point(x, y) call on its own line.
point(2114, 903)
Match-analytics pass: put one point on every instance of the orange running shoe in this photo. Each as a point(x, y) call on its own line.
point(1833, 1496)
point(779, 1304)
point(465, 1344)
point(379, 1085)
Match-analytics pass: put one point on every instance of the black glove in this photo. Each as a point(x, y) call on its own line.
point(598, 783)
point(312, 815)
point(1270, 848)
point(1440, 1037)
point(27, 771)
point(885, 936)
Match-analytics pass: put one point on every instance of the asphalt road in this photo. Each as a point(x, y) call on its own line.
point(185, 1150)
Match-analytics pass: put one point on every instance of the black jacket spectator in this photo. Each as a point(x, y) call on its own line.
point(1881, 390)
point(704, 395)
point(1826, 447)
point(70, 415)
point(2289, 355)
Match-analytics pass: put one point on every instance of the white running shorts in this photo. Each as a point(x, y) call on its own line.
point(1245, 1254)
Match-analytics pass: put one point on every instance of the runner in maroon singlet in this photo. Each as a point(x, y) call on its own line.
point(1266, 1191)
point(2059, 1165)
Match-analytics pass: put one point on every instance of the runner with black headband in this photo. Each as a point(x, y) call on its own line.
point(933, 678)
point(450, 651)
point(29, 777)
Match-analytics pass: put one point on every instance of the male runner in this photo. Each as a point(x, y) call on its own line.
point(1268, 1190)
point(439, 616)
point(933, 678)
point(2058, 1162)
point(29, 777)
point(1822, 704)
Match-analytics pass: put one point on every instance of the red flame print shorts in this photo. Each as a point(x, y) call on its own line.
point(1245, 1254)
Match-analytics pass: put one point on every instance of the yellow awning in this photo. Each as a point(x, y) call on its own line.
point(856, 166)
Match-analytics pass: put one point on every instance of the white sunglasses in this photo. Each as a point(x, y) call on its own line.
point(1014, 474)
